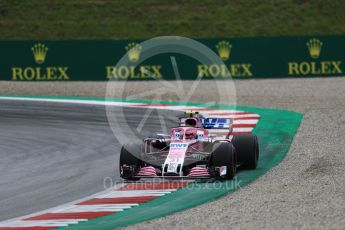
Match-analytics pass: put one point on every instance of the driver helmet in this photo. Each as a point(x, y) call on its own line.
point(191, 122)
point(190, 134)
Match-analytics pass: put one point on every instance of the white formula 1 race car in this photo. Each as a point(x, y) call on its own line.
point(190, 151)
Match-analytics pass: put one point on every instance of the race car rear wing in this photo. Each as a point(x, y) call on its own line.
point(216, 123)
point(221, 128)
point(216, 126)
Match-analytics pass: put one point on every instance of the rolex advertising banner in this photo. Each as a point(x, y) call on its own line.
point(241, 58)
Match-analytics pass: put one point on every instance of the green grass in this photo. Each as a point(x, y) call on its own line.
point(115, 19)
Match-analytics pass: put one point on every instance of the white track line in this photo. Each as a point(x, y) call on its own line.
point(249, 122)
point(44, 223)
point(94, 208)
point(135, 193)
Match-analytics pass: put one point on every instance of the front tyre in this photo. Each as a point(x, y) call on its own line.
point(247, 149)
point(224, 154)
point(129, 162)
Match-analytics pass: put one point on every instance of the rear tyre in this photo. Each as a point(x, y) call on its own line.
point(247, 149)
point(129, 162)
point(224, 154)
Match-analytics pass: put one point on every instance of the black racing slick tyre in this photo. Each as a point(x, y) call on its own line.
point(224, 154)
point(247, 149)
point(129, 161)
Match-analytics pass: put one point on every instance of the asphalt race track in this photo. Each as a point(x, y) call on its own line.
point(53, 153)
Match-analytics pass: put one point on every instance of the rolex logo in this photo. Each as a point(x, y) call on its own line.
point(224, 49)
point(314, 46)
point(133, 51)
point(40, 51)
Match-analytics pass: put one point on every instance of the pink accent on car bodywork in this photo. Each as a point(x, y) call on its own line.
point(147, 171)
point(198, 172)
